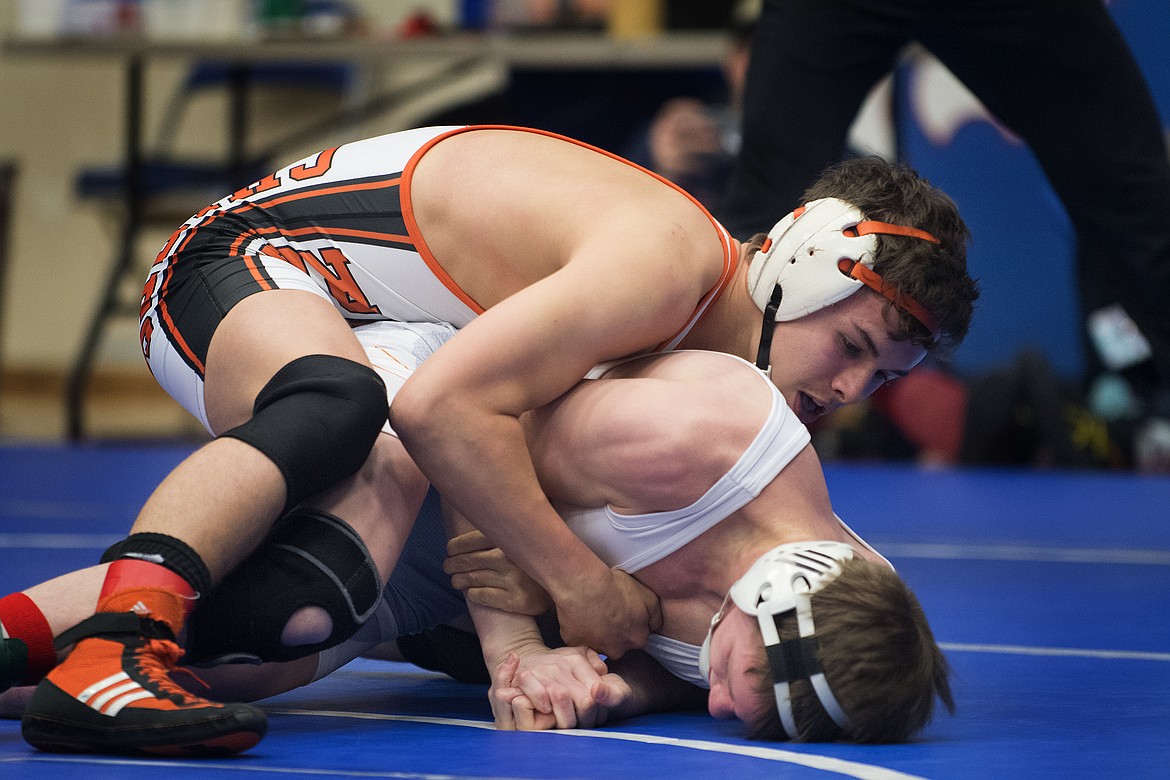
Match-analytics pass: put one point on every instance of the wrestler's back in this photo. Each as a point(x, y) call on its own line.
point(501, 209)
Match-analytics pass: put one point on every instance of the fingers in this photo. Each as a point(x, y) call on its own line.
point(506, 670)
point(527, 718)
point(605, 697)
point(472, 541)
point(487, 560)
point(537, 691)
point(503, 702)
point(489, 578)
point(503, 693)
point(610, 693)
point(514, 712)
point(522, 713)
point(653, 609)
point(557, 688)
point(554, 705)
point(595, 661)
point(617, 619)
point(534, 705)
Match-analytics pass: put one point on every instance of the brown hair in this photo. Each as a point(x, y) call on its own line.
point(935, 275)
point(879, 657)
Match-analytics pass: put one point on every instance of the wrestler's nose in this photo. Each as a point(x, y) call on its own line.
point(719, 703)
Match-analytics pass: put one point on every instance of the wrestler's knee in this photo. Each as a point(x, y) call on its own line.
point(310, 585)
point(307, 626)
point(317, 419)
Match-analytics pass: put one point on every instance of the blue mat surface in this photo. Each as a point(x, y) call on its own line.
point(1048, 590)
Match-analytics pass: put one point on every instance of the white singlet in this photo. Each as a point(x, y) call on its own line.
point(633, 542)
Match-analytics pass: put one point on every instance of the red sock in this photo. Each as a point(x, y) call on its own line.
point(147, 589)
point(23, 620)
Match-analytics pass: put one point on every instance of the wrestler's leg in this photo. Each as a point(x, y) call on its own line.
point(206, 516)
point(314, 545)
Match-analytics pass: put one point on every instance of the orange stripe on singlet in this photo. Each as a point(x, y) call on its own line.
point(730, 257)
point(298, 195)
point(173, 329)
point(420, 245)
point(312, 193)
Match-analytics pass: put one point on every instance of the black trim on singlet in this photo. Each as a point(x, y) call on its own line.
point(205, 278)
point(376, 212)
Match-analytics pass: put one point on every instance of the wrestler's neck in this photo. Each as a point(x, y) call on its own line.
point(746, 543)
point(710, 564)
point(732, 322)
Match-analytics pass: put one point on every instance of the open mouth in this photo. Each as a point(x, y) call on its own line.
point(808, 409)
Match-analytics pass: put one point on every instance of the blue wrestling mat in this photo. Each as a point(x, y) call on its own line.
point(1049, 592)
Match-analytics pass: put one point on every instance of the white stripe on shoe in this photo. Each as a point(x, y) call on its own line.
point(116, 691)
point(129, 698)
point(100, 686)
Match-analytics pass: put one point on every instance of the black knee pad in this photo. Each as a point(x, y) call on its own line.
point(317, 420)
point(310, 559)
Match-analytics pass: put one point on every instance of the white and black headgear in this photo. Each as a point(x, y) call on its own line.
point(782, 581)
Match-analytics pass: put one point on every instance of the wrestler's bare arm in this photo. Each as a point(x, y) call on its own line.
point(577, 259)
point(557, 686)
point(459, 418)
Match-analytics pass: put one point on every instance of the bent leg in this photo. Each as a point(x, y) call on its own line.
point(205, 517)
point(308, 586)
point(239, 489)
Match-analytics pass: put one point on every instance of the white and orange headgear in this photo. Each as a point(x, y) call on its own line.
point(820, 254)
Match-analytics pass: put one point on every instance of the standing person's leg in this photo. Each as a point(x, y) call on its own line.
point(1074, 92)
point(812, 65)
point(296, 409)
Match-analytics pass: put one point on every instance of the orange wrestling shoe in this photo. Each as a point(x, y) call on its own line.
point(114, 694)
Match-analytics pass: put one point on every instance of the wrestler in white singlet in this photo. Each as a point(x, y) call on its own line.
point(419, 595)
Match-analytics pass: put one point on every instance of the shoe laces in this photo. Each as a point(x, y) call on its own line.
point(155, 658)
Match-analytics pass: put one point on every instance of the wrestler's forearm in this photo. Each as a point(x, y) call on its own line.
point(499, 632)
point(506, 503)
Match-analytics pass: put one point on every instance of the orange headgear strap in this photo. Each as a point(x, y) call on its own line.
point(873, 280)
point(872, 227)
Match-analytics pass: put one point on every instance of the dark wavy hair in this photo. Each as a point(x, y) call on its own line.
point(935, 275)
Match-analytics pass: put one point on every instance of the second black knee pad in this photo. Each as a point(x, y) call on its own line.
point(310, 559)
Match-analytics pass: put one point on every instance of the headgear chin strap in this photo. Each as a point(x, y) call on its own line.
point(780, 582)
point(820, 254)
